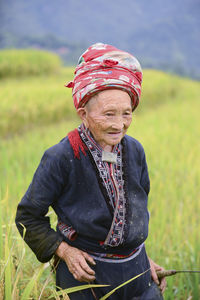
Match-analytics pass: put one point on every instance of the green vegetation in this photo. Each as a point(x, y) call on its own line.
point(27, 62)
point(166, 123)
point(34, 101)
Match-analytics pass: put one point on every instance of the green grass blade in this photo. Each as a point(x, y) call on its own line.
point(8, 281)
point(24, 230)
point(1, 232)
point(3, 203)
point(30, 285)
point(18, 274)
point(121, 285)
point(80, 288)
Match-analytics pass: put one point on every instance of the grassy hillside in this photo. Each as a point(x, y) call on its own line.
point(34, 101)
point(41, 100)
point(167, 124)
point(19, 63)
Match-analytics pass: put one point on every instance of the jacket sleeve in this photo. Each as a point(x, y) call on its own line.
point(145, 182)
point(46, 187)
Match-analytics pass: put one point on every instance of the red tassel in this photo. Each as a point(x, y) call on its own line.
point(70, 84)
point(76, 143)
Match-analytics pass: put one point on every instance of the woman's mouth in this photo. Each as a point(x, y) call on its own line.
point(115, 134)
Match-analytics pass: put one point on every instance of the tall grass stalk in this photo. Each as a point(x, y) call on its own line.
point(27, 292)
point(18, 275)
point(1, 230)
point(79, 288)
point(8, 268)
point(121, 285)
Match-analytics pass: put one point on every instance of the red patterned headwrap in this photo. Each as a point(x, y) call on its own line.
point(103, 67)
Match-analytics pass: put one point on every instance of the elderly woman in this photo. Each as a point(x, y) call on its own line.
point(97, 182)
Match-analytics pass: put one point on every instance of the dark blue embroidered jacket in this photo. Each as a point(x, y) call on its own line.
point(75, 191)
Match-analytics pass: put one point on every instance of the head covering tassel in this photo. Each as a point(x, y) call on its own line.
point(76, 143)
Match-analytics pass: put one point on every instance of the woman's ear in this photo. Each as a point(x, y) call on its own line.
point(82, 113)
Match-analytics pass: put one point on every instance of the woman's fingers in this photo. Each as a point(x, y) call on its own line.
point(83, 270)
point(78, 266)
point(89, 258)
point(85, 267)
point(154, 275)
point(81, 275)
point(154, 267)
point(163, 284)
point(76, 261)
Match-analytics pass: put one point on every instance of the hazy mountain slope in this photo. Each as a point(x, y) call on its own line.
point(160, 33)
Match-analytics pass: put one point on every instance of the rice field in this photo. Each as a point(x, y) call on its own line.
point(167, 125)
point(27, 62)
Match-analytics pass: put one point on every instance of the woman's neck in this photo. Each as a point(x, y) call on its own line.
point(107, 148)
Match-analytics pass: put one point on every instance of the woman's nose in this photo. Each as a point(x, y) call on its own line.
point(118, 123)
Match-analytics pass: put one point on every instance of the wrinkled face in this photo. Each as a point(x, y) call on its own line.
point(108, 116)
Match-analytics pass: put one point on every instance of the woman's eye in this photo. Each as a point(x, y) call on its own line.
point(109, 114)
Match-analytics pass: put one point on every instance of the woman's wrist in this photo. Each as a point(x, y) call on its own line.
point(61, 250)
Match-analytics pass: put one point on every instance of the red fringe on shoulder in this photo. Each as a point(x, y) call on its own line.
point(76, 143)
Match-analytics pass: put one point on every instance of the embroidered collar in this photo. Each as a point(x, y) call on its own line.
point(110, 171)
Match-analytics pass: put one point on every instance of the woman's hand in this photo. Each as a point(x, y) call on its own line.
point(76, 261)
point(154, 267)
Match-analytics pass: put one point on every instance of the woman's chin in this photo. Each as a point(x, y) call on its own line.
point(114, 141)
